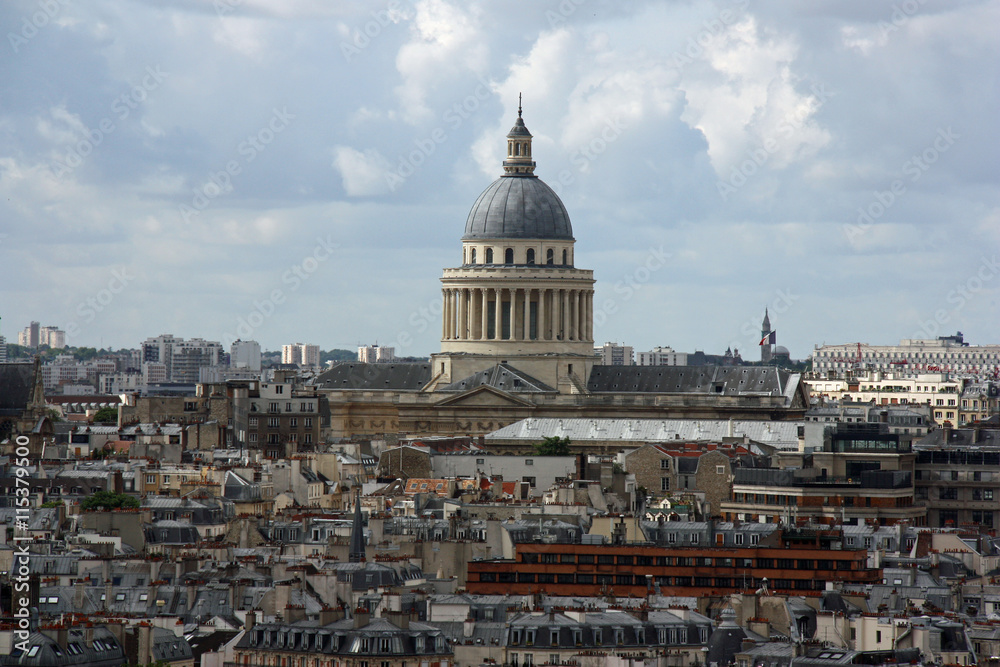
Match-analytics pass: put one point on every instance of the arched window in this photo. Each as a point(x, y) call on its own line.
point(473, 257)
point(489, 255)
point(550, 256)
point(517, 149)
point(564, 257)
point(531, 256)
point(508, 256)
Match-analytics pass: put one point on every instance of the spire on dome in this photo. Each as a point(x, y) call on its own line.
point(519, 162)
point(766, 326)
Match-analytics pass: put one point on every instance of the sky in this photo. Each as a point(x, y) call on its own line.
point(301, 171)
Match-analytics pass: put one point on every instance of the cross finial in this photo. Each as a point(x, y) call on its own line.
point(519, 105)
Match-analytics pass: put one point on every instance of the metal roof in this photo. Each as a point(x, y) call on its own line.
point(518, 207)
point(782, 435)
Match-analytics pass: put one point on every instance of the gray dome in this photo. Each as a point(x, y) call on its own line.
point(518, 207)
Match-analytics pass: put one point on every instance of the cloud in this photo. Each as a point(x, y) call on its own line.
point(362, 174)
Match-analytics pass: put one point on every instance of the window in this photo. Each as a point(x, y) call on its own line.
point(694, 538)
point(480, 462)
point(272, 407)
point(529, 462)
point(307, 422)
point(508, 256)
point(720, 470)
point(489, 255)
point(150, 479)
point(664, 484)
point(473, 256)
point(530, 260)
point(664, 464)
point(253, 421)
point(288, 407)
point(738, 538)
point(293, 422)
point(550, 256)
point(273, 422)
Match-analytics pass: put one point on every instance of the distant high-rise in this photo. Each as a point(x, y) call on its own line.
point(245, 354)
point(300, 354)
point(615, 354)
point(662, 356)
point(181, 358)
point(376, 354)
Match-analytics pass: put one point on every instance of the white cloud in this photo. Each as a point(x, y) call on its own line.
point(362, 174)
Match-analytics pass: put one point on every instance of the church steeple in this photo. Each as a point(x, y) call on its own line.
point(765, 328)
point(519, 162)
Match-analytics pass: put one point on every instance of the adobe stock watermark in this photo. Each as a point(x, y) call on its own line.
point(631, 283)
point(901, 13)
point(121, 108)
point(292, 278)
point(759, 156)
point(221, 182)
point(695, 47)
point(587, 153)
point(960, 296)
point(95, 304)
point(913, 168)
point(562, 12)
point(30, 25)
point(453, 117)
point(362, 36)
point(780, 304)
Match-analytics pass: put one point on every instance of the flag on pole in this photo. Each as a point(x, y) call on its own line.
point(770, 339)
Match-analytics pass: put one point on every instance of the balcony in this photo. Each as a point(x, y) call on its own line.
point(869, 479)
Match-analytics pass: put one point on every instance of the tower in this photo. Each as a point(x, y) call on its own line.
point(766, 339)
point(517, 298)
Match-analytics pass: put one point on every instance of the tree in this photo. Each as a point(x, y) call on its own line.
point(553, 446)
point(106, 414)
point(109, 500)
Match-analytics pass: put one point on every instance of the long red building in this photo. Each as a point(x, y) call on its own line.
point(630, 569)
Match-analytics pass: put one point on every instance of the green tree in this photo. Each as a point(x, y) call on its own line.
point(553, 446)
point(105, 415)
point(109, 500)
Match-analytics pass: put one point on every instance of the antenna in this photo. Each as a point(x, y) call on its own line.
point(519, 105)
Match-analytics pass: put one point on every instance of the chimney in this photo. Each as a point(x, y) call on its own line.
point(145, 638)
point(79, 594)
point(467, 627)
point(328, 615)
point(282, 596)
point(251, 621)
point(361, 617)
point(294, 613)
point(401, 619)
point(108, 592)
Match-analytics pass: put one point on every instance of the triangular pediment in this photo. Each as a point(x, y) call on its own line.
point(485, 396)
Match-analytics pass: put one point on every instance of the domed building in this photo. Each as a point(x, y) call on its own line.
point(517, 339)
point(517, 300)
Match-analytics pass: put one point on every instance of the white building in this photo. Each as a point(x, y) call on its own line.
point(662, 356)
point(374, 354)
point(245, 354)
point(911, 357)
point(615, 354)
point(300, 354)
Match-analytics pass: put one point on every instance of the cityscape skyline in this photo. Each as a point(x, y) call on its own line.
point(196, 170)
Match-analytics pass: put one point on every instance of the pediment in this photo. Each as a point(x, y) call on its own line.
point(485, 396)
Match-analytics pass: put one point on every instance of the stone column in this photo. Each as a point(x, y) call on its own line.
point(564, 321)
point(444, 313)
point(526, 321)
point(541, 314)
point(484, 315)
point(578, 316)
point(498, 315)
point(463, 315)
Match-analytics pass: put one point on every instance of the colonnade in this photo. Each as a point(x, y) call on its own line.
point(517, 313)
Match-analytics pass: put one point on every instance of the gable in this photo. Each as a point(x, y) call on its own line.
point(486, 397)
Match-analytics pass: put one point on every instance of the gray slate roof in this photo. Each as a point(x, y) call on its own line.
point(501, 376)
point(718, 380)
point(398, 377)
point(518, 207)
